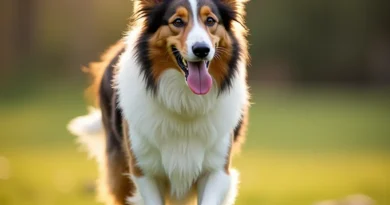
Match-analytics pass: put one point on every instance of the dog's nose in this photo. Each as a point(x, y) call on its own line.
point(201, 50)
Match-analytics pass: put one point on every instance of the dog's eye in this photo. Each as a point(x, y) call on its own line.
point(210, 21)
point(178, 23)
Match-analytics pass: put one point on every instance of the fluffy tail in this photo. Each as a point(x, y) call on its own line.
point(90, 133)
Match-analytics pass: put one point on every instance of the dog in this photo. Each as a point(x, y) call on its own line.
point(171, 105)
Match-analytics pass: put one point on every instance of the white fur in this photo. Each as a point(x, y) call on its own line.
point(218, 188)
point(89, 129)
point(149, 192)
point(176, 134)
point(197, 35)
point(90, 132)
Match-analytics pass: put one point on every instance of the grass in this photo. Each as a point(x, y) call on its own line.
point(303, 146)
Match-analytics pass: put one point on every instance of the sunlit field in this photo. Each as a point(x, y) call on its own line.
point(304, 146)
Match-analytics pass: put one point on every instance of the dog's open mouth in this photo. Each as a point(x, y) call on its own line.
point(196, 73)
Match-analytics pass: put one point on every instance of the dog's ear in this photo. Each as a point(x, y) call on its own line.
point(151, 2)
point(232, 10)
point(237, 5)
point(142, 4)
point(149, 13)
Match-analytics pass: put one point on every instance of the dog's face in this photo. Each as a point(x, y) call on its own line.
point(193, 36)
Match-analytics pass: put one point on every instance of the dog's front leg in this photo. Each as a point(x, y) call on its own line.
point(148, 189)
point(218, 188)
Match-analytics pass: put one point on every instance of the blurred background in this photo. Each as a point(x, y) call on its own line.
point(320, 80)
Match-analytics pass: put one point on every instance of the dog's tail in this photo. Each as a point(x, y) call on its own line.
point(90, 133)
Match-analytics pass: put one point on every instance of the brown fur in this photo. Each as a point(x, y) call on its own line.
point(165, 37)
point(116, 181)
point(132, 161)
point(97, 69)
point(229, 157)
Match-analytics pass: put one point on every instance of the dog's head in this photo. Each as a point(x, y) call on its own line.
point(202, 39)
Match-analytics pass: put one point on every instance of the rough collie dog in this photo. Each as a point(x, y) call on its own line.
point(172, 105)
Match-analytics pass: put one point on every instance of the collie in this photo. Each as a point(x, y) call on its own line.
point(172, 103)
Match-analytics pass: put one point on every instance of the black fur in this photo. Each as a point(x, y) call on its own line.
point(238, 127)
point(154, 20)
point(233, 64)
point(142, 57)
point(227, 14)
point(112, 117)
point(154, 17)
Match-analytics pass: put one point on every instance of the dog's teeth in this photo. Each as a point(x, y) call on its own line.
point(184, 62)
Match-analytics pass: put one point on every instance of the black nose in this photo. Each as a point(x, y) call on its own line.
point(201, 50)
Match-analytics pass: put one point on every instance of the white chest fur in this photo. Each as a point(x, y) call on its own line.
point(177, 134)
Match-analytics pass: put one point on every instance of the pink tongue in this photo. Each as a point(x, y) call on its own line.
point(199, 79)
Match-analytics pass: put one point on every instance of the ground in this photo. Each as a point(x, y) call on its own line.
point(304, 146)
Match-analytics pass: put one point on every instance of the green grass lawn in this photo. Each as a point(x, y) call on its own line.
point(303, 146)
